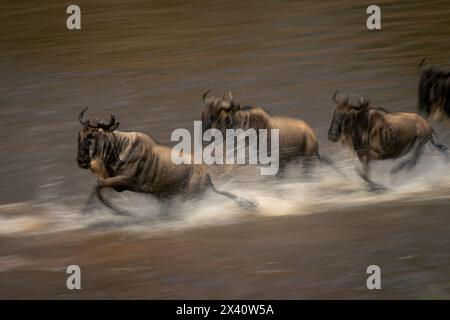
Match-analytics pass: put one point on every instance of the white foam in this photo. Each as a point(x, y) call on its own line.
point(324, 190)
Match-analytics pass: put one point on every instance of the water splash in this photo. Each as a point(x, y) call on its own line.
point(322, 190)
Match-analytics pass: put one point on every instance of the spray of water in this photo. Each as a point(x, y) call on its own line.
point(323, 189)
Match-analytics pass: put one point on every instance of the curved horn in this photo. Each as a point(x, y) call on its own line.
point(334, 97)
point(114, 127)
point(80, 118)
point(422, 62)
point(112, 120)
point(111, 124)
point(205, 94)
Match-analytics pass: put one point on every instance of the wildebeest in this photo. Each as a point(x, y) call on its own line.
point(296, 138)
point(136, 162)
point(377, 134)
point(434, 92)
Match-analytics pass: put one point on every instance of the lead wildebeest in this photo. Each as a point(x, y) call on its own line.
point(377, 134)
point(434, 92)
point(297, 141)
point(136, 162)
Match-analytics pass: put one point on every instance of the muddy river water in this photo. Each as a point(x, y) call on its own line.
point(150, 61)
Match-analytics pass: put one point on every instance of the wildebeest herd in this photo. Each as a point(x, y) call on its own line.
point(136, 162)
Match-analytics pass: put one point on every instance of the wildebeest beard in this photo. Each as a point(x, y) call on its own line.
point(350, 127)
point(104, 146)
point(83, 158)
point(335, 130)
point(355, 126)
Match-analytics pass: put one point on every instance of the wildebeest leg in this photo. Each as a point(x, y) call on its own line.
point(117, 182)
point(282, 167)
point(330, 163)
point(411, 162)
point(365, 174)
point(165, 209)
point(243, 203)
point(87, 205)
point(307, 165)
point(440, 147)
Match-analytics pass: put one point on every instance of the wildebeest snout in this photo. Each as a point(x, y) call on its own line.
point(83, 162)
point(333, 132)
point(83, 158)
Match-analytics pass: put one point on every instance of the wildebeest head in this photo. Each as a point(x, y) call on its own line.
point(88, 137)
point(345, 110)
point(215, 108)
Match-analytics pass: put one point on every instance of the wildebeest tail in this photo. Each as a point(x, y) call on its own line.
point(329, 162)
point(440, 147)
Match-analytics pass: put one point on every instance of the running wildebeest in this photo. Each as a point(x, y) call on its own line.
point(377, 134)
point(434, 92)
point(136, 162)
point(297, 141)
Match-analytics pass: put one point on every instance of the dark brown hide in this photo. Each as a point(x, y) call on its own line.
point(297, 139)
point(434, 93)
point(136, 162)
point(376, 134)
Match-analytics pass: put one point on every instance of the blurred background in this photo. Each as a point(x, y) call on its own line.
point(150, 61)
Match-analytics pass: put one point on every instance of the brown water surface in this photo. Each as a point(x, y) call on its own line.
point(150, 61)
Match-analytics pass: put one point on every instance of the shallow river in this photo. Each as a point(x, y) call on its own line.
point(150, 61)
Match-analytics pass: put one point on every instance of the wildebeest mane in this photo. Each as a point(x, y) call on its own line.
point(352, 129)
point(356, 125)
point(119, 147)
point(250, 108)
point(251, 117)
point(380, 109)
point(243, 118)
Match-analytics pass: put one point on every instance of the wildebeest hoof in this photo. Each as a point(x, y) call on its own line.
point(246, 204)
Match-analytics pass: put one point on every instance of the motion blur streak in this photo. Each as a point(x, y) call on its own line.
point(150, 61)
